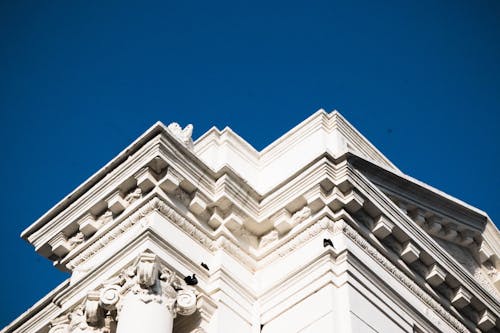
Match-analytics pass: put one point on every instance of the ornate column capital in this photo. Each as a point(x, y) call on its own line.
point(148, 281)
point(145, 281)
point(147, 268)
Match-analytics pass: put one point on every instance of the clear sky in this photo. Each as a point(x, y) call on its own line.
point(79, 81)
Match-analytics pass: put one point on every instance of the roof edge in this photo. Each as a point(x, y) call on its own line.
point(153, 131)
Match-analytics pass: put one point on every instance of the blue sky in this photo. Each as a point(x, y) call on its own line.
point(81, 80)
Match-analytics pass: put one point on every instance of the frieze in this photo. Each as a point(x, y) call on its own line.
point(324, 223)
point(155, 204)
point(269, 238)
point(334, 225)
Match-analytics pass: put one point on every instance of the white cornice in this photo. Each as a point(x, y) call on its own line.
point(424, 195)
point(95, 178)
point(426, 241)
point(321, 133)
point(218, 153)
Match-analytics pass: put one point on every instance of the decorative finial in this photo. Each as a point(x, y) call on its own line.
point(183, 135)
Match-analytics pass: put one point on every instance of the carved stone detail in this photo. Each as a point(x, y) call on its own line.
point(186, 302)
point(147, 269)
point(109, 296)
point(78, 321)
point(301, 215)
point(133, 196)
point(145, 280)
point(182, 134)
point(150, 283)
point(106, 217)
point(154, 204)
point(77, 239)
point(269, 238)
point(246, 236)
point(59, 325)
point(93, 311)
point(62, 245)
point(157, 204)
point(469, 263)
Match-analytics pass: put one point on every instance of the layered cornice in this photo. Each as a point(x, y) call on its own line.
point(259, 207)
point(321, 133)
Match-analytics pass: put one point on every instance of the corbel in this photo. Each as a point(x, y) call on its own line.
point(116, 202)
point(88, 225)
point(436, 275)
point(60, 245)
point(198, 204)
point(217, 217)
point(171, 181)
point(486, 320)
point(410, 252)
point(461, 298)
point(145, 180)
point(282, 221)
point(382, 227)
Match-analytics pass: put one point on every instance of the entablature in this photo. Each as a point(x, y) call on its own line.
point(349, 193)
point(437, 281)
point(438, 214)
point(349, 189)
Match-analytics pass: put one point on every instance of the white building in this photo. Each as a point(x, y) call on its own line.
point(319, 232)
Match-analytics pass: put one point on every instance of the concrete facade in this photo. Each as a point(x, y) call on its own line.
point(318, 232)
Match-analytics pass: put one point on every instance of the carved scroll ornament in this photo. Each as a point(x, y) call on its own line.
point(145, 280)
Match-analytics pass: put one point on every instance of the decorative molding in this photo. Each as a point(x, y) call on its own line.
point(426, 243)
point(403, 278)
point(436, 225)
point(259, 223)
point(464, 257)
point(326, 223)
point(133, 196)
point(227, 244)
point(184, 224)
point(155, 204)
point(269, 238)
point(59, 325)
point(186, 302)
point(224, 243)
